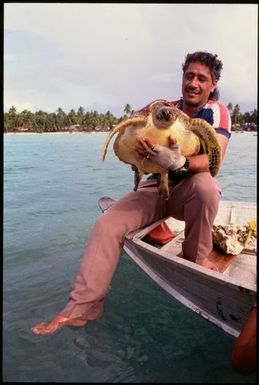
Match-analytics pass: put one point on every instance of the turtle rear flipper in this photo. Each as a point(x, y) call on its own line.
point(137, 176)
point(163, 187)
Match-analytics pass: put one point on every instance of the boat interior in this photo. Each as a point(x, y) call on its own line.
point(170, 236)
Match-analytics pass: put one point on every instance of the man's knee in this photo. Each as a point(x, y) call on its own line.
point(106, 222)
point(113, 224)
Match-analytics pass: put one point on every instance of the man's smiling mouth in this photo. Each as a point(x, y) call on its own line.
point(191, 92)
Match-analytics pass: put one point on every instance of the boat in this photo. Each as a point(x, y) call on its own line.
point(224, 297)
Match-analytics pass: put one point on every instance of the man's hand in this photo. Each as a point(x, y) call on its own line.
point(166, 157)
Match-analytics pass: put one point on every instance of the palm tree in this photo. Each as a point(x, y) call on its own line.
point(110, 120)
point(61, 118)
point(230, 107)
point(127, 109)
point(7, 122)
point(41, 121)
point(13, 117)
point(247, 116)
point(52, 118)
point(236, 114)
point(80, 115)
point(26, 118)
point(254, 116)
point(72, 116)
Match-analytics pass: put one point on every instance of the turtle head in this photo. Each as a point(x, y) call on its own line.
point(164, 114)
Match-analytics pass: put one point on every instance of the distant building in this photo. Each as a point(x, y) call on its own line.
point(72, 127)
point(18, 129)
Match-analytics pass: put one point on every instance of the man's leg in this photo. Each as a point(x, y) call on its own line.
point(101, 256)
point(195, 200)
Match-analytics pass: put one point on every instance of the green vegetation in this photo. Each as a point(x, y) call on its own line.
point(41, 121)
point(85, 121)
point(248, 120)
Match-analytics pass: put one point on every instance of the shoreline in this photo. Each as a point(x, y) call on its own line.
point(95, 132)
point(55, 133)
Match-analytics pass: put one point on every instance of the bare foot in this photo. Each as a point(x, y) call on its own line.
point(57, 323)
point(210, 265)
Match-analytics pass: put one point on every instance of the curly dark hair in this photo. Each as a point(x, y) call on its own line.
point(211, 61)
point(215, 65)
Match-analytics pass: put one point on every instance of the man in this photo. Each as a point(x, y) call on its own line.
point(195, 200)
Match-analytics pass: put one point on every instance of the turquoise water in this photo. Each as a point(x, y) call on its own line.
point(51, 187)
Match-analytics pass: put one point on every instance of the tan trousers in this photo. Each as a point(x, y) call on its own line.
point(194, 200)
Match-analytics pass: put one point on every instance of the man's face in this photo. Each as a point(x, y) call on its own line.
point(197, 84)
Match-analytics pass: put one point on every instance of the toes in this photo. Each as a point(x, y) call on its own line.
point(38, 327)
point(55, 324)
point(44, 328)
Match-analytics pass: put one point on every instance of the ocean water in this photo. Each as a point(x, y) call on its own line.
point(51, 187)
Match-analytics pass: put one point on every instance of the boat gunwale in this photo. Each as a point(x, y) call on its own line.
point(192, 266)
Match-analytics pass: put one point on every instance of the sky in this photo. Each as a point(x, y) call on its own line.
point(104, 56)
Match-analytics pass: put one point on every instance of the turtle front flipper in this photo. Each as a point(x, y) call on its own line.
point(209, 142)
point(118, 128)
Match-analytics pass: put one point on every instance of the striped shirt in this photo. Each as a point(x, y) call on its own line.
point(215, 113)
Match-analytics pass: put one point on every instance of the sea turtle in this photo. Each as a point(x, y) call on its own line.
point(157, 121)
